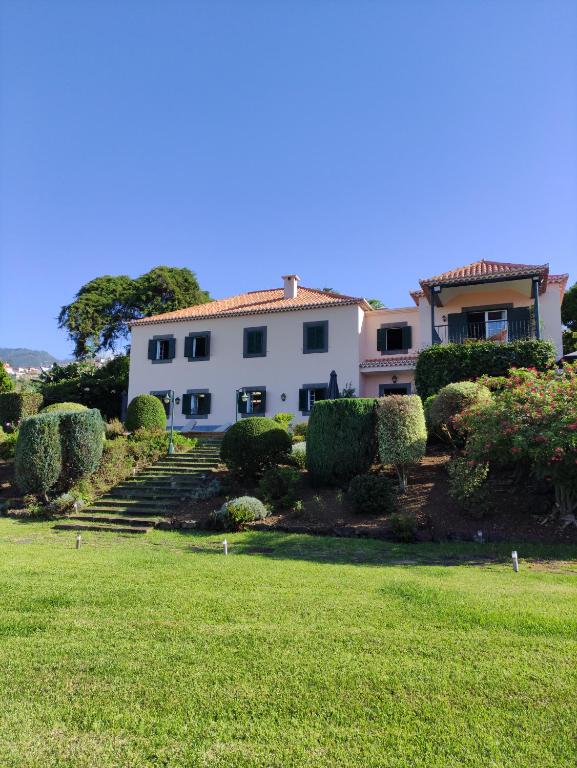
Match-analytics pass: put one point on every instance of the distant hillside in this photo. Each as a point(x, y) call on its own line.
point(26, 358)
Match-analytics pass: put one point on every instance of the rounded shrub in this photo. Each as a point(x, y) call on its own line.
point(372, 494)
point(450, 402)
point(279, 486)
point(401, 432)
point(6, 383)
point(68, 407)
point(253, 444)
point(145, 412)
point(236, 513)
point(38, 456)
point(299, 455)
point(340, 439)
point(81, 435)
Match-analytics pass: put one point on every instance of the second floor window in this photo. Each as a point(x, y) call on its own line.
point(161, 349)
point(316, 337)
point(254, 342)
point(197, 346)
point(394, 338)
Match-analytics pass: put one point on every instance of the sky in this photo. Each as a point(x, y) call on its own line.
point(362, 145)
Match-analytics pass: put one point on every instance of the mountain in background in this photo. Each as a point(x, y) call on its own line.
point(26, 358)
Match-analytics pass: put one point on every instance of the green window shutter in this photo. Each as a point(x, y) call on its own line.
point(316, 337)
point(208, 346)
point(382, 339)
point(188, 346)
point(204, 404)
point(519, 323)
point(303, 399)
point(241, 405)
point(171, 348)
point(262, 408)
point(186, 401)
point(458, 331)
point(152, 349)
point(407, 332)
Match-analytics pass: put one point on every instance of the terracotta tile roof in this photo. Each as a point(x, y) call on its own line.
point(390, 361)
point(559, 280)
point(256, 303)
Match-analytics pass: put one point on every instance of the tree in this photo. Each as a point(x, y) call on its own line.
point(376, 303)
point(98, 318)
point(569, 319)
point(6, 383)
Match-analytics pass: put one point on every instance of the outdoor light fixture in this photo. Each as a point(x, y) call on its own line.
point(395, 379)
point(444, 318)
point(283, 396)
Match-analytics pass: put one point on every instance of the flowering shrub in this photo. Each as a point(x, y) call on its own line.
point(532, 419)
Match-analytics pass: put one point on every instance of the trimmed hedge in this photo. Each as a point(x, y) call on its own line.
point(38, 458)
point(57, 407)
point(450, 402)
point(145, 412)
point(341, 439)
point(401, 432)
point(253, 444)
point(373, 494)
point(15, 406)
point(81, 435)
point(444, 364)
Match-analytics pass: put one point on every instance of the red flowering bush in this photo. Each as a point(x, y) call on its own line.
point(532, 419)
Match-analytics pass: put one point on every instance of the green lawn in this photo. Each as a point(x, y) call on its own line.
point(292, 651)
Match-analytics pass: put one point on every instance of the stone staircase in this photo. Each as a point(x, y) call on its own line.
point(138, 504)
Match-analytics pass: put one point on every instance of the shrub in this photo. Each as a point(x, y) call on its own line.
point(145, 412)
point(114, 428)
point(6, 383)
point(38, 459)
point(450, 402)
point(147, 445)
point(284, 420)
point(300, 429)
point(404, 526)
point(253, 444)
point(298, 456)
point(7, 444)
point(401, 433)
point(530, 422)
point(340, 439)
point(444, 364)
point(467, 483)
point(372, 494)
point(279, 486)
point(15, 406)
point(60, 407)
point(235, 514)
point(81, 434)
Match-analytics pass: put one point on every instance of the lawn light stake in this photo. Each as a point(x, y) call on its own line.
point(515, 560)
point(225, 546)
point(78, 540)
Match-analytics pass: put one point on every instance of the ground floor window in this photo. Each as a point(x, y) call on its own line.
point(161, 395)
point(251, 401)
point(394, 389)
point(197, 403)
point(309, 394)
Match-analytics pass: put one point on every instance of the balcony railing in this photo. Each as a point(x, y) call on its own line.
point(491, 330)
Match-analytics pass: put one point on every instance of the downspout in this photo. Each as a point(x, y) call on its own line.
point(432, 291)
point(536, 307)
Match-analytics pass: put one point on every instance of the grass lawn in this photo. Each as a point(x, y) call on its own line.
point(292, 651)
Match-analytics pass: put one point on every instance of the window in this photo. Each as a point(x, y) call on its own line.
point(309, 394)
point(487, 324)
point(197, 346)
point(161, 349)
point(316, 337)
point(254, 343)
point(394, 389)
point(161, 396)
point(251, 401)
point(393, 339)
point(196, 403)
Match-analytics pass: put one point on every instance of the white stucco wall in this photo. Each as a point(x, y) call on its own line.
point(374, 320)
point(550, 311)
point(284, 369)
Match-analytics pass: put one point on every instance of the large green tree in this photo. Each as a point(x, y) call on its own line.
point(569, 319)
point(98, 318)
point(6, 383)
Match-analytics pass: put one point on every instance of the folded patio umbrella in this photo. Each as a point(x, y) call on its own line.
point(333, 391)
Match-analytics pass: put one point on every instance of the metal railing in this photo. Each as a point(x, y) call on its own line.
point(491, 330)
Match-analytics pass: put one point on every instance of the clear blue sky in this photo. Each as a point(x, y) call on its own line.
point(360, 144)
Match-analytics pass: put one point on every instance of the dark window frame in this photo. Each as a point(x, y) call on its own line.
point(161, 394)
point(323, 385)
point(391, 387)
point(315, 323)
point(393, 326)
point(250, 390)
point(252, 329)
point(198, 415)
point(164, 337)
point(201, 334)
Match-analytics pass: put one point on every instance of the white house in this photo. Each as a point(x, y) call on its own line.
point(273, 350)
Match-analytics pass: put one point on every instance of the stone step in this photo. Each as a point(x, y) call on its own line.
point(115, 501)
point(138, 522)
point(121, 510)
point(99, 527)
point(151, 493)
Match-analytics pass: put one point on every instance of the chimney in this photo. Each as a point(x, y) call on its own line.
point(290, 286)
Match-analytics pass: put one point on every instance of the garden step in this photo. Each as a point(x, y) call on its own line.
point(138, 522)
point(119, 500)
point(120, 510)
point(152, 493)
point(99, 527)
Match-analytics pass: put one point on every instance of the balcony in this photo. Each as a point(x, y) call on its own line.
point(489, 330)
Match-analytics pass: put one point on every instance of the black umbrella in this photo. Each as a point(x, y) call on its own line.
point(333, 391)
